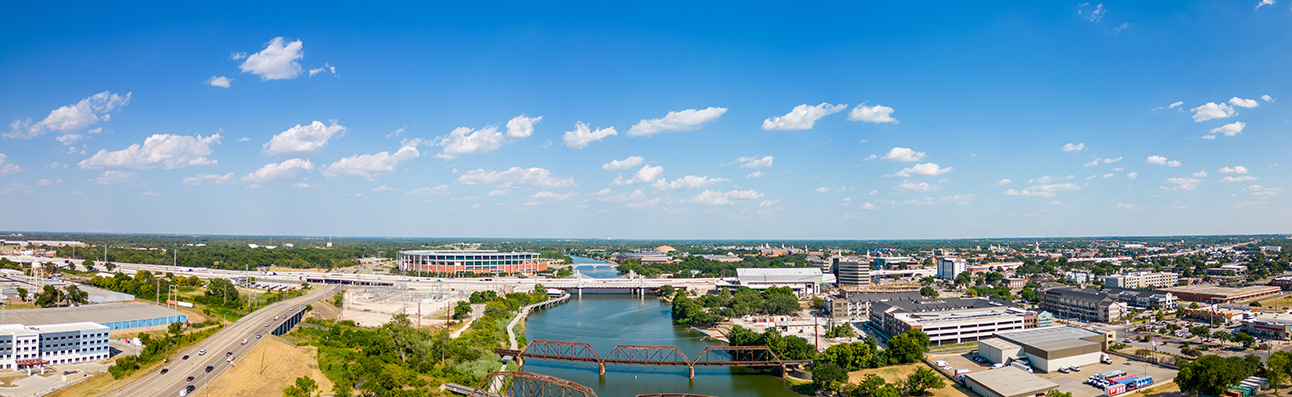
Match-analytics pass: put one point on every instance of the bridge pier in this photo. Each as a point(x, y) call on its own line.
point(692, 374)
point(601, 368)
point(580, 292)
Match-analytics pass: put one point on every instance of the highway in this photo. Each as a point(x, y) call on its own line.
point(228, 339)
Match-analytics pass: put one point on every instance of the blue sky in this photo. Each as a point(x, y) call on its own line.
point(852, 120)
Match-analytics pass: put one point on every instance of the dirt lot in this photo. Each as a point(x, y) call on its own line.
point(283, 363)
point(893, 373)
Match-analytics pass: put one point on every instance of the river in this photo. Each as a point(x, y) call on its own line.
point(606, 320)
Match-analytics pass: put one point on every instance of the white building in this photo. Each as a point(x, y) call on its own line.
point(1048, 349)
point(54, 344)
point(801, 280)
point(1134, 280)
point(949, 268)
point(1078, 277)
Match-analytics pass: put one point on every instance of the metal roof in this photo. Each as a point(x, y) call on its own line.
point(1010, 381)
point(102, 314)
point(1035, 336)
point(779, 275)
point(998, 343)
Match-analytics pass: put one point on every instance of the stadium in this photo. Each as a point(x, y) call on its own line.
point(420, 262)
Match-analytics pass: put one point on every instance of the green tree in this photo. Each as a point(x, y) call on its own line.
point(849, 356)
point(1211, 374)
point(22, 294)
point(665, 290)
point(929, 292)
point(922, 380)
point(462, 310)
point(1028, 294)
point(174, 328)
point(908, 347)
point(1057, 393)
point(304, 387)
point(1277, 368)
point(110, 266)
point(1200, 331)
point(74, 295)
point(828, 375)
point(818, 303)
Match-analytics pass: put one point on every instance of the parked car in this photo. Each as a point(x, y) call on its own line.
point(1075, 368)
point(1064, 370)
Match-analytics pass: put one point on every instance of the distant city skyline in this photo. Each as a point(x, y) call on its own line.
point(654, 121)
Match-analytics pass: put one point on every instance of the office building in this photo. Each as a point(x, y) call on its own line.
point(856, 305)
point(892, 262)
point(24, 346)
point(1133, 280)
point(1080, 303)
point(853, 272)
point(469, 261)
point(949, 320)
point(949, 268)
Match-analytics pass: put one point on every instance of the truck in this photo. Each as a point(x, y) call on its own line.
point(1022, 366)
point(1115, 389)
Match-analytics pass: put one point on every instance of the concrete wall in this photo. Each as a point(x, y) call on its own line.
point(998, 355)
point(1055, 364)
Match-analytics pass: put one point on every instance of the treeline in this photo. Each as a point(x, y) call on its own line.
point(696, 266)
point(711, 309)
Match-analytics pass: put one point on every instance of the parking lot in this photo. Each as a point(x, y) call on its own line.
point(1072, 382)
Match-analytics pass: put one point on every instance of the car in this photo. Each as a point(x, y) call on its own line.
point(997, 365)
point(210, 368)
point(226, 354)
point(190, 379)
point(201, 352)
point(165, 370)
point(1075, 368)
point(275, 317)
point(1064, 370)
point(266, 324)
point(185, 356)
point(190, 388)
point(257, 336)
point(1127, 340)
point(244, 341)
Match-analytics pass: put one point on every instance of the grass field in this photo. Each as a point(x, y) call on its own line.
point(895, 372)
point(102, 382)
point(1278, 303)
point(283, 363)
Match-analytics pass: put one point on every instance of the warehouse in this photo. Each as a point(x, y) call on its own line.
point(119, 317)
point(805, 281)
point(1051, 348)
point(1007, 382)
point(999, 351)
point(1218, 294)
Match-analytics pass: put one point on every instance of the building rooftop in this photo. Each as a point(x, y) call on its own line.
point(943, 304)
point(779, 275)
point(1218, 290)
point(1039, 335)
point(102, 314)
point(1143, 293)
point(883, 296)
point(998, 343)
point(1010, 381)
point(80, 326)
point(1077, 293)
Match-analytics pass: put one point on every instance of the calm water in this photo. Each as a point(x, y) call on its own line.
point(606, 320)
point(602, 271)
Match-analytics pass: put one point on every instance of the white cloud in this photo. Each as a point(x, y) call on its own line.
point(150, 194)
point(1200, 174)
point(116, 177)
point(822, 189)
point(1004, 182)
point(903, 154)
point(463, 140)
point(1043, 190)
point(581, 136)
point(326, 66)
point(278, 61)
point(685, 120)
point(7, 168)
point(718, 198)
point(688, 182)
point(219, 81)
point(1212, 111)
point(645, 174)
point(1129, 206)
point(1173, 105)
point(1159, 160)
point(1258, 190)
point(620, 165)
point(546, 195)
point(926, 169)
point(384, 188)
point(868, 206)
point(513, 176)
point(498, 193)
point(755, 174)
point(1243, 103)
point(161, 150)
point(71, 117)
point(1091, 14)
point(871, 157)
point(522, 126)
point(70, 139)
point(16, 187)
point(1238, 169)
point(1264, 3)
point(369, 165)
point(1230, 129)
point(1241, 178)
point(803, 117)
point(1098, 161)
point(1132, 175)
point(1054, 202)
point(1071, 147)
point(303, 140)
point(286, 171)
point(1267, 98)
point(202, 179)
point(908, 186)
point(1182, 184)
point(872, 114)
point(441, 190)
point(303, 185)
point(755, 161)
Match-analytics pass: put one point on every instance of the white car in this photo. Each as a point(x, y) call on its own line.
point(1064, 370)
point(997, 365)
point(201, 352)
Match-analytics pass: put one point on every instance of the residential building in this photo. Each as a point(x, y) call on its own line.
point(1080, 303)
point(853, 272)
point(949, 320)
point(1143, 298)
point(1079, 277)
point(1142, 279)
point(22, 346)
point(856, 305)
point(469, 261)
point(949, 268)
point(1015, 282)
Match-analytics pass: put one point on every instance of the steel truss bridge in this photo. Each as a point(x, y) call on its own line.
point(712, 356)
point(529, 384)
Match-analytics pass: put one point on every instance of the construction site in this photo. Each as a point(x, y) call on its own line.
point(427, 306)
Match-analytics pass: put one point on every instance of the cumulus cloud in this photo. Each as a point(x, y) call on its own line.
point(720, 198)
point(6, 167)
point(161, 150)
point(534, 176)
point(1173, 105)
point(645, 174)
point(802, 117)
point(522, 126)
point(688, 182)
point(1200, 174)
point(1071, 147)
point(903, 154)
point(1238, 169)
point(303, 140)
point(1043, 190)
point(1240, 178)
point(73, 117)
point(370, 165)
point(1258, 190)
point(1159, 160)
point(1267, 98)
point(1098, 161)
point(685, 120)
point(908, 186)
point(463, 140)
point(1264, 3)
point(116, 177)
point(384, 188)
point(1243, 103)
point(620, 165)
point(280, 60)
point(546, 195)
point(287, 171)
point(219, 81)
point(204, 179)
point(755, 174)
point(1093, 13)
point(872, 114)
point(925, 169)
point(1230, 129)
point(441, 190)
point(1182, 184)
point(582, 135)
point(1129, 206)
point(1132, 175)
point(326, 67)
point(16, 187)
point(1212, 110)
point(755, 161)
point(1004, 182)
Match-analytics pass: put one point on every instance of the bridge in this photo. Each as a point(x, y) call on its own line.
point(529, 384)
point(712, 356)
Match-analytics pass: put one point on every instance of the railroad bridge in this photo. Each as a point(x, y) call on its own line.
point(712, 356)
